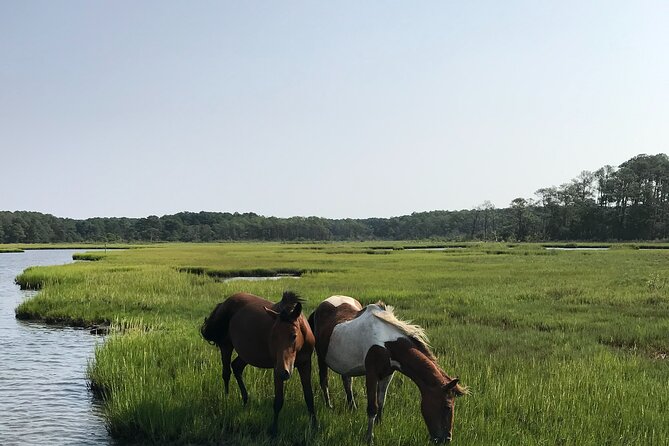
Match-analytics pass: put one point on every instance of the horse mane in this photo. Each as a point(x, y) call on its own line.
point(417, 335)
point(414, 332)
point(290, 298)
point(288, 301)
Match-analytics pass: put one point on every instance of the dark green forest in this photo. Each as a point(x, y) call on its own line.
point(627, 202)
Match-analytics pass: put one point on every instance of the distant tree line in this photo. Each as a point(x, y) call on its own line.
point(628, 202)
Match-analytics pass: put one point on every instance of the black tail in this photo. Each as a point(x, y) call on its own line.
point(215, 327)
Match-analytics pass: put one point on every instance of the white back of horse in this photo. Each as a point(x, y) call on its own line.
point(351, 340)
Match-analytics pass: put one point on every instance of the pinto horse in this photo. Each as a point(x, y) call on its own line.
point(372, 342)
point(266, 335)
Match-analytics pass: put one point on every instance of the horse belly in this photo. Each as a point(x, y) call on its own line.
point(249, 343)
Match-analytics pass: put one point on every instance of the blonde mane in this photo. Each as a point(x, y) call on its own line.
point(415, 332)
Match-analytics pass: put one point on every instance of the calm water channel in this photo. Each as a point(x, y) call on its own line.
point(44, 399)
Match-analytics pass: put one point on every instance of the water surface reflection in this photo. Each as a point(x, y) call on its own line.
point(44, 398)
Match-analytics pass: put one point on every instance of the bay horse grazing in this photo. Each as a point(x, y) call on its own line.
point(372, 342)
point(266, 335)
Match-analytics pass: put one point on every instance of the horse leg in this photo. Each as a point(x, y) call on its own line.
point(238, 368)
point(377, 368)
point(278, 404)
point(381, 395)
point(348, 388)
point(305, 378)
point(226, 354)
point(371, 382)
point(323, 379)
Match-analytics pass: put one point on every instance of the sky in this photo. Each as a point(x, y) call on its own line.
point(334, 109)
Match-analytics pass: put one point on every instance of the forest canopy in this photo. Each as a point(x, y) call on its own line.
point(627, 202)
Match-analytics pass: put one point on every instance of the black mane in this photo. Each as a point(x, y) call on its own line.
point(290, 298)
point(288, 303)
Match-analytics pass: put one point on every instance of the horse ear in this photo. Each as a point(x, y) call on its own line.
point(271, 312)
point(297, 310)
point(450, 386)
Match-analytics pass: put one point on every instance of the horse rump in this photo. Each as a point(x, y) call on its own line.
point(216, 325)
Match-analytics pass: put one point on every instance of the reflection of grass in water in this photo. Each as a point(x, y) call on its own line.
point(559, 348)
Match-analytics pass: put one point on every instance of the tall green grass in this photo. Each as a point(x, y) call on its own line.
point(561, 348)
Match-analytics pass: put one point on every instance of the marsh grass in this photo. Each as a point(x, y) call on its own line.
point(252, 272)
point(88, 256)
point(576, 245)
point(563, 348)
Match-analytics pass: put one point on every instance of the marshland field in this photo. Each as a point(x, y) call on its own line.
point(558, 347)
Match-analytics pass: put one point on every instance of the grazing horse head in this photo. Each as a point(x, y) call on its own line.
point(437, 408)
point(285, 339)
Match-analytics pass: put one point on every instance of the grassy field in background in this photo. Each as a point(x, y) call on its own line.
point(558, 347)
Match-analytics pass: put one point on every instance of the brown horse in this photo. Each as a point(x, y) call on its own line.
point(372, 342)
point(265, 335)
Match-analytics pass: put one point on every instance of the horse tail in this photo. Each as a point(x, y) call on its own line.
point(215, 327)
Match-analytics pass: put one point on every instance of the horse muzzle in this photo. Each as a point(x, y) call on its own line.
point(285, 373)
point(442, 440)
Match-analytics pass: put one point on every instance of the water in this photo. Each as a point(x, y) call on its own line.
point(443, 248)
point(44, 398)
point(580, 248)
point(259, 278)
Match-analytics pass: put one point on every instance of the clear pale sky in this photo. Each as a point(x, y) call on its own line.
point(334, 109)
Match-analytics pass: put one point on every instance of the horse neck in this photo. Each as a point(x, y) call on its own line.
point(417, 365)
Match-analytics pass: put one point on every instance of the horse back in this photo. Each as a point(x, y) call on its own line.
point(329, 313)
point(216, 327)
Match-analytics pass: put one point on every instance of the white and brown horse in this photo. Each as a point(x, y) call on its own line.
point(372, 342)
